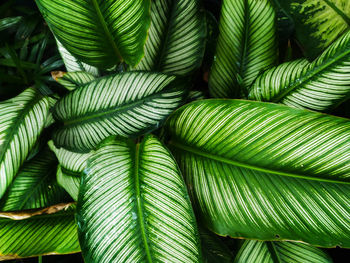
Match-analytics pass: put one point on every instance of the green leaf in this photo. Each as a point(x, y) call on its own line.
point(73, 80)
point(266, 171)
point(35, 185)
point(8, 22)
point(318, 22)
point(282, 252)
point(213, 249)
point(133, 206)
point(21, 121)
point(45, 232)
point(99, 33)
point(128, 104)
point(71, 165)
point(72, 64)
point(246, 46)
point(320, 85)
point(176, 38)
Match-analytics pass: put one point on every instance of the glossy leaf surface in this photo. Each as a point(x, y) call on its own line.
point(32, 233)
point(128, 104)
point(246, 46)
point(133, 206)
point(320, 85)
point(99, 33)
point(283, 252)
point(22, 119)
point(35, 185)
point(266, 171)
point(175, 43)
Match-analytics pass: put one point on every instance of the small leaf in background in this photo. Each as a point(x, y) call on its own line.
point(99, 33)
point(320, 85)
point(128, 104)
point(21, 122)
point(176, 38)
point(317, 22)
point(133, 206)
point(246, 46)
point(265, 171)
point(72, 80)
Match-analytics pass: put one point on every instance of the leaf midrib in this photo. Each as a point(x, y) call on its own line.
point(205, 154)
point(120, 108)
point(102, 21)
point(139, 205)
point(299, 82)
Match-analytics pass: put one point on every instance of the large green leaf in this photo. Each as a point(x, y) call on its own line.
point(246, 46)
point(126, 104)
point(72, 64)
point(99, 33)
point(176, 38)
point(21, 120)
point(266, 171)
point(281, 252)
point(133, 206)
point(318, 22)
point(71, 165)
point(32, 233)
point(319, 85)
point(35, 185)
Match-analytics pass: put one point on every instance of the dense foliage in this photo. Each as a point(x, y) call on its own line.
point(175, 130)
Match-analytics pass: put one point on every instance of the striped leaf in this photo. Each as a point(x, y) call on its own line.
point(72, 64)
point(133, 206)
point(320, 85)
point(318, 22)
point(35, 185)
point(47, 232)
point(73, 80)
point(246, 46)
point(281, 252)
point(266, 171)
point(21, 120)
point(126, 104)
point(213, 249)
point(99, 33)
point(71, 165)
point(176, 37)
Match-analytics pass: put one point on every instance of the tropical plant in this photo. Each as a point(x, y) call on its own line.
point(171, 136)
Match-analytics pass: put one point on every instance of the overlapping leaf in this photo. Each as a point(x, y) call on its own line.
point(35, 185)
point(21, 120)
point(71, 165)
point(266, 171)
point(99, 33)
point(318, 22)
point(72, 64)
point(175, 43)
point(320, 85)
point(283, 252)
point(73, 80)
point(32, 233)
point(213, 249)
point(126, 104)
point(133, 206)
point(246, 46)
